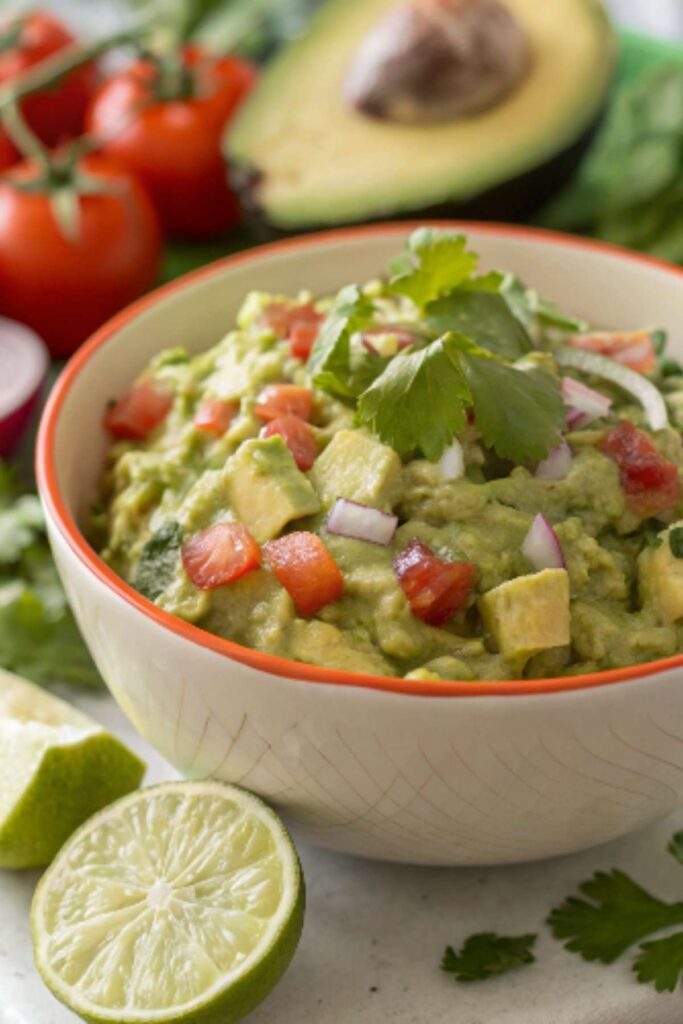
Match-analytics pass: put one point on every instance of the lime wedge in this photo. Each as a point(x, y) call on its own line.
point(181, 902)
point(57, 767)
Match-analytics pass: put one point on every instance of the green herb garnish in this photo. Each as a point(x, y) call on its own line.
point(483, 316)
point(617, 914)
point(39, 637)
point(330, 361)
point(487, 955)
point(435, 264)
point(158, 560)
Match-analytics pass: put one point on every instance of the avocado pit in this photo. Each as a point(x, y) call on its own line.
point(428, 61)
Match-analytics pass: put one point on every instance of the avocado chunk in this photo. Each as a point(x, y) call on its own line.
point(303, 152)
point(356, 466)
point(266, 490)
point(528, 614)
point(660, 578)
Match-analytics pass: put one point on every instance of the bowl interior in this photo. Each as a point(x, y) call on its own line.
point(606, 287)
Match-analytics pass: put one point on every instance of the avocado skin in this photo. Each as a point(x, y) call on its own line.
point(514, 200)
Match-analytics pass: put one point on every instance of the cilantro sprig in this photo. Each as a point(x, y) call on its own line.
point(487, 955)
point(475, 330)
point(39, 637)
point(616, 914)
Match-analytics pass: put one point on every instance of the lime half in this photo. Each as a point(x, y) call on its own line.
point(182, 902)
point(57, 767)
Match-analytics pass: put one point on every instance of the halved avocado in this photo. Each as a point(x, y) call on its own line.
point(301, 157)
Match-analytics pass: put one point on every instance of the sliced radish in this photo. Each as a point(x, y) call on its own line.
point(557, 465)
point(452, 462)
point(362, 522)
point(584, 403)
point(23, 367)
point(633, 383)
point(542, 547)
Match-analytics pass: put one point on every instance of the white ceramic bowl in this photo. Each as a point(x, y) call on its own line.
point(451, 773)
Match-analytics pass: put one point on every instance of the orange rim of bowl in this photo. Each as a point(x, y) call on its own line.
point(272, 664)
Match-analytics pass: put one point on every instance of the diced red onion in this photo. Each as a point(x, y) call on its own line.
point(23, 368)
point(362, 522)
point(452, 463)
point(635, 384)
point(542, 547)
point(591, 404)
point(577, 420)
point(557, 464)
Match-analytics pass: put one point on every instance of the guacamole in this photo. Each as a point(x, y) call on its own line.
point(433, 475)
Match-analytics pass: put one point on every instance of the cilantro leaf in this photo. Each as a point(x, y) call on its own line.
point(158, 560)
point(620, 914)
point(530, 308)
point(419, 400)
point(486, 955)
point(329, 363)
point(661, 962)
point(675, 847)
point(483, 316)
point(435, 264)
point(676, 541)
point(20, 525)
point(519, 412)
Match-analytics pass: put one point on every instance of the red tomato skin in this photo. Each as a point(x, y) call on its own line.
point(302, 338)
point(138, 412)
point(649, 481)
point(284, 400)
point(174, 146)
point(214, 416)
point(65, 290)
point(282, 317)
point(436, 589)
point(222, 553)
point(306, 570)
point(298, 437)
point(58, 113)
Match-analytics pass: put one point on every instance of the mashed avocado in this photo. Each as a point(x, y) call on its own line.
point(437, 475)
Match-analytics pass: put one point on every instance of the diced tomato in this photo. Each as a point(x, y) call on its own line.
point(302, 338)
point(306, 570)
point(281, 317)
point(219, 555)
point(284, 400)
point(138, 412)
point(298, 437)
point(435, 588)
point(214, 416)
point(650, 482)
point(632, 348)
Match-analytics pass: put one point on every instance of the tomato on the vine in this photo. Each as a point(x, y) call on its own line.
point(66, 287)
point(169, 134)
point(53, 114)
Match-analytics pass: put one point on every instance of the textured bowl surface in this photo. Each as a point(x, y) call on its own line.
point(452, 773)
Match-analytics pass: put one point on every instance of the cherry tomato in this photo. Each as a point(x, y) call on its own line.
point(436, 589)
point(284, 400)
point(298, 437)
point(650, 482)
point(138, 412)
point(57, 113)
point(306, 570)
point(66, 289)
point(220, 555)
point(632, 348)
point(174, 145)
point(214, 416)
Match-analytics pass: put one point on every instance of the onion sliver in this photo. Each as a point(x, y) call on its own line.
point(362, 522)
point(23, 367)
point(588, 403)
point(452, 462)
point(634, 383)
point(557, 464)
point(542, 547)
